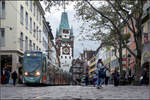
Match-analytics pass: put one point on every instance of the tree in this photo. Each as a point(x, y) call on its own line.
point(128, 12)
point(109, 38)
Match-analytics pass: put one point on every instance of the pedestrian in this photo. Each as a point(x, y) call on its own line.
point(101, 73)
point(20, 79)
point(94, 79)
point(7, 76)
point(3, 78)
point(107, 76)
point(116, 77)
point(129, 75)
point(14, 77)
point(145, 76)
point(86, 79)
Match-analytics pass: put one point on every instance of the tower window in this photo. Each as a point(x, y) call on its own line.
point(65, 31)
point(61, 56)
point(65, 57)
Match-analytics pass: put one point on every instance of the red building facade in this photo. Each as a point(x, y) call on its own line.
point(130, 59)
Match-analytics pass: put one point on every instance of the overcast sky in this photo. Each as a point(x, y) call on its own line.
point(54, 18)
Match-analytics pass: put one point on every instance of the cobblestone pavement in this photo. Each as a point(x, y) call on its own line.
point(73, 92)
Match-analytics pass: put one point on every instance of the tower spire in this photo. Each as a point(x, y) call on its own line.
point(64, 5)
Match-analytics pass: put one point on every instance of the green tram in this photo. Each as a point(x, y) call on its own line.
point(38, 70)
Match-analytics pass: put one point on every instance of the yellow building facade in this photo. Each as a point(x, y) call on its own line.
point(92, 66)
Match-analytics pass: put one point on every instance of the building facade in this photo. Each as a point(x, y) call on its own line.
point(145, 61)
point(77, 70)
point(45, 36)
point(21, 29)
point(92, 67)
point(65, 43)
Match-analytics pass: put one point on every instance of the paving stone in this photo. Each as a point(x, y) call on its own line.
point(74, 92)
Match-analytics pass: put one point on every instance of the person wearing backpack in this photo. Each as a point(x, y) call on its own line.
point(101, 73)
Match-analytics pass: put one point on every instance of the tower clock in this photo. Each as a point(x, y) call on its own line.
point(64, 42)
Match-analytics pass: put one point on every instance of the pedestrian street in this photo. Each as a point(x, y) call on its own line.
point(73, 92)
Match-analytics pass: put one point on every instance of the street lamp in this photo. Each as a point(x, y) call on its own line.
point(129, 68)
point(129, 56)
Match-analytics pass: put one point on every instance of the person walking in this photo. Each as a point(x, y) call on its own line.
point(129, 75)
point(116, 77)
point(14, 77)
point(7, 74)
point(86, 79)
point(107, 76)
point(94, 79)
point(3, 77)
point(101, 73)
point(145, 76)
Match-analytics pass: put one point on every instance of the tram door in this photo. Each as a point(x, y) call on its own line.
point(44, 70)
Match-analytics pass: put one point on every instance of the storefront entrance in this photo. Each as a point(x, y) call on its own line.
point(6, 62)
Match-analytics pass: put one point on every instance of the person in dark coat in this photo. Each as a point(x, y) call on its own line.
point(86, 79)
point(94, 79)
point(7, 75)
point(101, 73)
point(145, 75)
point(116, 77)
point(14, 77)
point(3, 77)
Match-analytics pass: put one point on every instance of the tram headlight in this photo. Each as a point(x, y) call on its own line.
point(26, 73)
point(37, 73)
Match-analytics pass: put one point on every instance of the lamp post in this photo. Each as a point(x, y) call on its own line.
point(129, 56)
point(129, 69)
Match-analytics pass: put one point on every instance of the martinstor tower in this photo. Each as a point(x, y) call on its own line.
point(64, 43)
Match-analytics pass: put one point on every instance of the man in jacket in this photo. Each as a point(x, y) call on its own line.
point(101, 73)
point(14, 77)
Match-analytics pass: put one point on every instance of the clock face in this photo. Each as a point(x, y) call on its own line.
point(66, 50)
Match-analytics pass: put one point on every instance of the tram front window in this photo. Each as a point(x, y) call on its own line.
point(32, 64)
